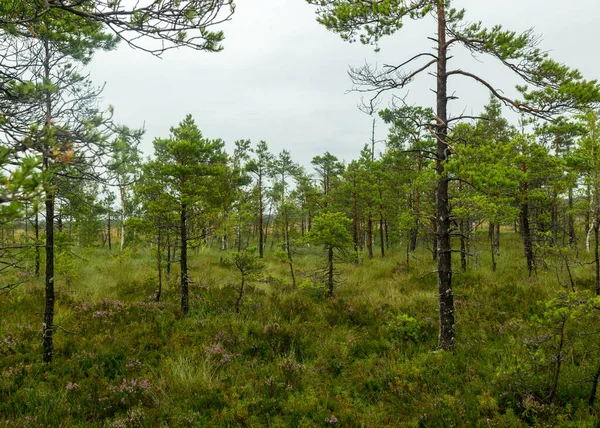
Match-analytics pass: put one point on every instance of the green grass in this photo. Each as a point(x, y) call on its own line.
point(366, 357)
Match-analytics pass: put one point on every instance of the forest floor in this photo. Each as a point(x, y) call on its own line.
point(526, 348)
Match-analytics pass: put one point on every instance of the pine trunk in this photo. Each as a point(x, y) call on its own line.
point(370, 236)
point(109, 233)
point(330, 280)
point(261, 233)
point(446, 295)
point(48, 326)
point(159, 265)
point(37, 242)
point(185, 303)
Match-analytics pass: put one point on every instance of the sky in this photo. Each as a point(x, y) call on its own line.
point(282, 77)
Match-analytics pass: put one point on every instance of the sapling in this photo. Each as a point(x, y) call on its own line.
point(250, 266)
point(332, 230)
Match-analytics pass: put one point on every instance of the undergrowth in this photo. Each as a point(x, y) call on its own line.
point(292, 357)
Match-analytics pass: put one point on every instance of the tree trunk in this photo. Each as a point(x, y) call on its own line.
point(594, 392)
point(48, 326)
point(527, 239)
point(370, 236)
point(122, 193)
point(26, 221)
point(571, 221)
point(261, 232)
point(159, 265)
point(109, 233)
point(554, 219)
point(330, 281)
point(492, 238)
point(497, 239)
point(355, 232)
point(587, 212)
point(414, 235)
point(266, 230)
point(597, 257)
point(463, 245)
point(289, 251)
point(168, 257)
point(382, 235)
point(493, 252)
point(558, 359)
point(37, 242)
point(185, 304)
point(48, 344)
point(446, 296)
point(554, 213)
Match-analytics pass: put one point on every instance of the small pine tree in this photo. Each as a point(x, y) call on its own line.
point(249, 264)
point(332, 230)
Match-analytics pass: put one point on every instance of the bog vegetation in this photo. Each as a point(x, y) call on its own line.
point(450, 279)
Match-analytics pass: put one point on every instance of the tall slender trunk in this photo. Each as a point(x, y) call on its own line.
point(168, 256)
point(159, 265)
point(497, 239)
point(48, 326)
point(261, 232)
point(355, 227)
point(330, 280)
point(185, 303)
point(463, 245)
point(48, 344)
point(123, 214)
point(381, 235)
point(288, 247)
point(225, 237)
point(387, 234)
point(492, 238)
point(109, 233)
point(446, 295)
point(370, 236)
point(554, 212)
point(554, 218)
point(37, 242)
point(527, 239)
point(525, 228)
point(597, 257)
point(26, 221)
point(571, 220)
point(463, 238)
point(587, 213)
point(493, 253)
point(266, 230)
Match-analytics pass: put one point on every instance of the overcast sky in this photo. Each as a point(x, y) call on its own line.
point(283, 78)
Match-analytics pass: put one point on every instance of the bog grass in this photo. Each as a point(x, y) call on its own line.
point(291, 357)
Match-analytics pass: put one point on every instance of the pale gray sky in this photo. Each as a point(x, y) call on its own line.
point(283, 78)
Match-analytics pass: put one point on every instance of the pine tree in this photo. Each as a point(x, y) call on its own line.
point(560, 88)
